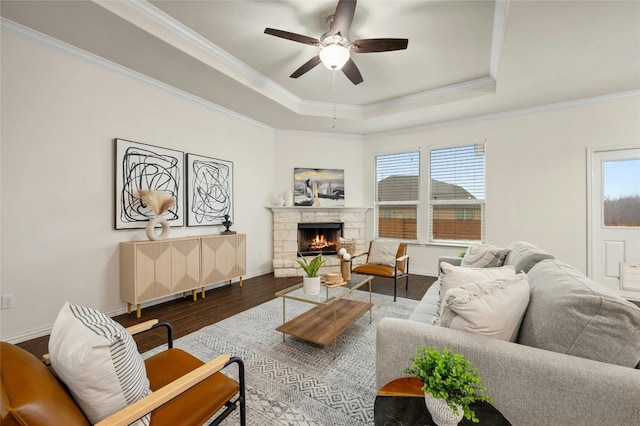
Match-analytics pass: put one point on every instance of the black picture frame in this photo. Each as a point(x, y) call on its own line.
point(209, 190)
point(141, 166)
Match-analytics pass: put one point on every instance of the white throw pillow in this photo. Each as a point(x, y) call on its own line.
point(383, 252)
point(455, 276)
point(491, 308)
point(99, 362)
point(484, 256)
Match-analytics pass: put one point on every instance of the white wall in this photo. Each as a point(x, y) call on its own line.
point(60, 115)
point(536, 173)
point(321, 151)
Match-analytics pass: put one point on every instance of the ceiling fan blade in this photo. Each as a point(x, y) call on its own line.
point(292, 36)
point(351, 71)
point(380, 44)
point(343, 17)
point(307, 66)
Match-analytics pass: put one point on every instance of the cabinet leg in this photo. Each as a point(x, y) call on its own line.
point(240, 281)
point(138, 311)
point(128, 307)
point(203, 295)
point(195, 294)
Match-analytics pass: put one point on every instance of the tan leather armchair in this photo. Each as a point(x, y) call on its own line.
point(400, 270)
point(186, 391)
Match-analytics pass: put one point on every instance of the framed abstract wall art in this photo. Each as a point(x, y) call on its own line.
point(318, 187)
point(140, 166)
point(209, 190)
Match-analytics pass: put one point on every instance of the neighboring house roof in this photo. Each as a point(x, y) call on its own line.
point(402, 188)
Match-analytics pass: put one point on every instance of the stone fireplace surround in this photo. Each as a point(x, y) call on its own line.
point(285, 235)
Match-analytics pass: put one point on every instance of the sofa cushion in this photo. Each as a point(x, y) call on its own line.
point(427, 309)
point(522, 256)
point(99, 362)
point(484, 256)
point(568, 313)
point(455, 276)
point(491, 308)
point(383, 252)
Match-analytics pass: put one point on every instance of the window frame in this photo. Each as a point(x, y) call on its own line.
point(473, 203)
point(377, 204)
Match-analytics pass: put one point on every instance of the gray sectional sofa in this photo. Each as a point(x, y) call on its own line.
point(576, 360)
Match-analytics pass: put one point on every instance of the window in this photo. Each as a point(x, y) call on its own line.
point(456, 202)
point(621, 187)
point(397, 195)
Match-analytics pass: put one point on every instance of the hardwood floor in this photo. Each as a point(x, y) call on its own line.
point(187, 316)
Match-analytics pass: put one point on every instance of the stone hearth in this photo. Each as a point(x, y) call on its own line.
point(285, 235)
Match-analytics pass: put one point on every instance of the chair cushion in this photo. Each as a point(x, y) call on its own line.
point(455, 276)
point(373, 269)
point(570, 314)
point(383, 252)
point(198, 404)
point(491, 308)
point(484, 256)
point(99, 362)
point(31, 395)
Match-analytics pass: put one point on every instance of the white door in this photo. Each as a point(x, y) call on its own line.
point(615, 220)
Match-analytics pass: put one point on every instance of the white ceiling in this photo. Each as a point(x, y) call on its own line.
point(464, 58)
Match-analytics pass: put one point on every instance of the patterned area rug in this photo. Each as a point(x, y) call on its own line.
point(294, 382)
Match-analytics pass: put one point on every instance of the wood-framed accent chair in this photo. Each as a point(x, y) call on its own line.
point(399, 270)
point(186, 391)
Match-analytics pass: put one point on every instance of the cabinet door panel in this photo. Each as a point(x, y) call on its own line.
point(212, 257)
point(241, 255)
point(153, 271)
point(185, 265)
point(220, 258)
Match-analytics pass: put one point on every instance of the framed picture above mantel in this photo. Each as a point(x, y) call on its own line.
point(318, 187)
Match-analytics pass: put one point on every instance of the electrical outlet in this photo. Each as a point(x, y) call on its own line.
point(8, 301)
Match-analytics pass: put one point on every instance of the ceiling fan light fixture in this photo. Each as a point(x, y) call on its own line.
point(334, 56)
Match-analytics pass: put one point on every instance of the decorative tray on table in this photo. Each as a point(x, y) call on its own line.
point(333, 279)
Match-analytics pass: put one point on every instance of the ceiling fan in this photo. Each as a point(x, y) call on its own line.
point(335, 44)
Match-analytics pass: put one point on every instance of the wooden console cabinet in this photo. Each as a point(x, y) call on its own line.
point(150, 270)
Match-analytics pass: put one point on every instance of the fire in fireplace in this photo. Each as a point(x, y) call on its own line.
point(316, 238)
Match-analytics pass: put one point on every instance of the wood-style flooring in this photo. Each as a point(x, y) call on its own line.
point(187, 316)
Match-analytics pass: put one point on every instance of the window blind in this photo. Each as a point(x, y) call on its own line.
point(397, 177)
point(457, 192)
point(397, 195)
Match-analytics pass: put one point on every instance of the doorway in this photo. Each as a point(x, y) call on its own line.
point(614, 220)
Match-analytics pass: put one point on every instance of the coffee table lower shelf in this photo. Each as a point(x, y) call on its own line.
point(315, 325)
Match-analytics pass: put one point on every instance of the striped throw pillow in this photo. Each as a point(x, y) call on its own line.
point(99, 362)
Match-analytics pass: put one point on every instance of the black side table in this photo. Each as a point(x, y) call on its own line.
point(401, 403)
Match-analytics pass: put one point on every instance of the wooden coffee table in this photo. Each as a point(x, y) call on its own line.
point(333, 313)
point(401, 402)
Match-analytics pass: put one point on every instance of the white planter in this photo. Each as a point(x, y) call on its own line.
point(441, 413)
point(311, 285)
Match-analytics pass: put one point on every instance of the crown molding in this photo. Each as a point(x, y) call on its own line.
point(140, 13)
point(510, 113)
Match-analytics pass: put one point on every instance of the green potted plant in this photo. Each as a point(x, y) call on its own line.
point(450, 386)
point(311, 281)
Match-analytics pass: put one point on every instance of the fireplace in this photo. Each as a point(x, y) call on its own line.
point(315, 238)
